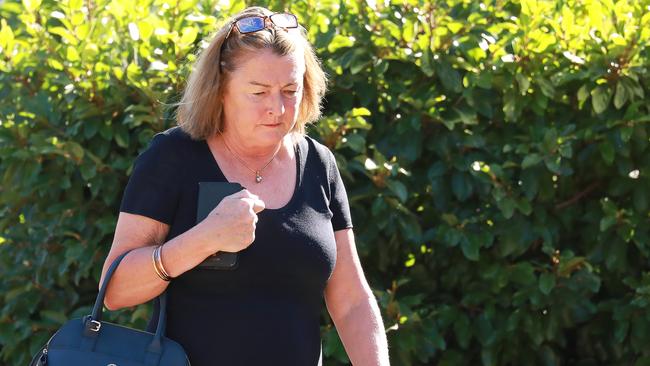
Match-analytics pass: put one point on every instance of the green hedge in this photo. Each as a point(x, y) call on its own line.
point(496, 157)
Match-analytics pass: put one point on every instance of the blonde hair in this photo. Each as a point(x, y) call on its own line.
point(200, 111)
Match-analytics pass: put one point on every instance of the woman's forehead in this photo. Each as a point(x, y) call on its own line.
point(266, 68)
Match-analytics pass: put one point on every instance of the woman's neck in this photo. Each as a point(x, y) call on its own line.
point(251, 153)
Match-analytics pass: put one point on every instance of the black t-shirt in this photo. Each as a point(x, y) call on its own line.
point(267, 311)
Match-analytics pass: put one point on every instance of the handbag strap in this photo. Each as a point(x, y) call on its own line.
point(92, 323)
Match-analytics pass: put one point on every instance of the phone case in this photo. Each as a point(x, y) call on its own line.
point(210, 194)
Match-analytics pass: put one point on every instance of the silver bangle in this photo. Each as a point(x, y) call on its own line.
point(158, 266)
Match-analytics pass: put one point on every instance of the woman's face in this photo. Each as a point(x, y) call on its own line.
point(262, 97)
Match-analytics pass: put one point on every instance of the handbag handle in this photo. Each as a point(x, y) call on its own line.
point(93, 321)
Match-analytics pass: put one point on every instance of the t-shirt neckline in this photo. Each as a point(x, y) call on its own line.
point(298, 157)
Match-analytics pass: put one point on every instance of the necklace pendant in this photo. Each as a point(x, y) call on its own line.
point(258, 177)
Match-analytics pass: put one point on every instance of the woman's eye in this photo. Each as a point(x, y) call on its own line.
point(291, 92)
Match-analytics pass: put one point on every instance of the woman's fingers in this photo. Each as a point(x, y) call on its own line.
point(253, 200)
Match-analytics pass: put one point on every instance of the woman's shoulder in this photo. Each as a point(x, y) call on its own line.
point(172, 146)
point(173, 140)
point(316, 149)
point(171, 137)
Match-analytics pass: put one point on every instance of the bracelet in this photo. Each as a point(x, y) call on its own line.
point(160, 263)
point(154, 256)
point(158, 266)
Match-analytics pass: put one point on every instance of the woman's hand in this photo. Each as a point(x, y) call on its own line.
point(230, 227)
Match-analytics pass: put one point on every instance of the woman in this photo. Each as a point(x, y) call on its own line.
point(242, 119)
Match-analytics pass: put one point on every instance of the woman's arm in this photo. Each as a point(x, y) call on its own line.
point(229, 227)
point(353, 307)
point(135, 281)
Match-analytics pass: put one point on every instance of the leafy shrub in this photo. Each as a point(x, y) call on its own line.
point(496, 158)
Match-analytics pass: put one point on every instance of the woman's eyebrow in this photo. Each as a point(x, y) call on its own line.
point(268, 86)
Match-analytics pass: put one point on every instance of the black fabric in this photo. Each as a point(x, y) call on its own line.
point(267, 310)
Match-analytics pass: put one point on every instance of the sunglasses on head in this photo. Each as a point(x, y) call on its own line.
point(256, 23)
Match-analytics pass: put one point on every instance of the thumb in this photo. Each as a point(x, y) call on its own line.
point(258, 205)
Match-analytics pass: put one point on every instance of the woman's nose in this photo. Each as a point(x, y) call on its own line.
point(276, 107)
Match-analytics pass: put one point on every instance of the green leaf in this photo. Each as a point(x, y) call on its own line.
point(470, 246)
point(6, 35)
point(621, 96)
point(507, 207)
point(510, 108)
point(450, 219)
point(410, 261)
point(355, 141)
point(531, 160)
point(398, 188)
point(524, 206)
point(75, 149)
point(358, 63)
point(55, 316)
point(449, 77)
point(524, 83)
point(72, 54)
point(482, 102)
point(530, 183)
point(546, 283)
point(523, 274)
point(436, 170)
point(449, 235)
point(426, 64)
point(466, 116)
point(640, 198)
point(333, 345)
point(106, 130)
point(358, 122)
point(607, 222)
point(600, 98)
point(188, 36)
point(463, 330)
point(632, 85)
point(461, 185)
point(546, 86)
point(455, 27)
point(488, 356)
point(146, 30)
point(393, 29)
point(620, 331)
point(75, 4)
point(568, 266)
point(583, 94)
point(339, 41)
point(65, 34)
point(55, 64)
point(607, 151)
point(121, 136)
point(88, 171)
point(360, 112)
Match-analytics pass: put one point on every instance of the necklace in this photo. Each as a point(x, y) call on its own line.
point(258, 172)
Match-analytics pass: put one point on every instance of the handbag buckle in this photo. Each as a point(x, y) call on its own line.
point(94, 325)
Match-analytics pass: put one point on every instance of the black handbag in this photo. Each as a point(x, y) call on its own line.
point(89, 341)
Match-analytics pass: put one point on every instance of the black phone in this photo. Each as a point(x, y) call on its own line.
point(210, 194)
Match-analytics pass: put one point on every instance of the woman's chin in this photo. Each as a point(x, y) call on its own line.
point(270, 137)
point(272, 133)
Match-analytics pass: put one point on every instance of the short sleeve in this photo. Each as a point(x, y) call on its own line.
point(339, 206)
point(153, 189)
